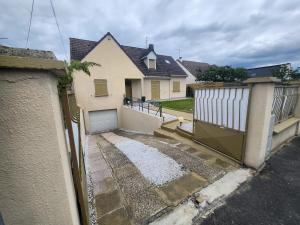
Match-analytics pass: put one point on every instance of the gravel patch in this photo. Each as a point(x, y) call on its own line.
point(91, 200)
point(191, 162)
point(155, 166)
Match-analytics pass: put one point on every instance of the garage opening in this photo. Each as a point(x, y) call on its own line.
point(103, 120)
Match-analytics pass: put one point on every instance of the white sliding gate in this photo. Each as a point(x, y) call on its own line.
point(220, 119)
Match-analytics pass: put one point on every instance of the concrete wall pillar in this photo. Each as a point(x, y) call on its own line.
point(35, 175)
point(259, 117)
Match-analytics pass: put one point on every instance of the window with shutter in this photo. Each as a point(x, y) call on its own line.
point(100, 87)
point(176, 86)
point(152, 64)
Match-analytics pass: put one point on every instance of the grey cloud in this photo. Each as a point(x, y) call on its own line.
point(247, 33)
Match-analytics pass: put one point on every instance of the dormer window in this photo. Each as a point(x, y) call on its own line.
point(152, 64)
point(150, 58)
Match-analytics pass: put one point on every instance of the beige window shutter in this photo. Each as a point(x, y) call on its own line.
point(155, 89)
point(152, 64)
point(100, 87)
point(176, 86)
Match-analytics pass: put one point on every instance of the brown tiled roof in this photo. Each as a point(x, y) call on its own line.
point(165, 65)
point(193, 67)
point(79, 48)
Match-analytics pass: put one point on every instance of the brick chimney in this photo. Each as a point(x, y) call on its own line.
point(151, 47)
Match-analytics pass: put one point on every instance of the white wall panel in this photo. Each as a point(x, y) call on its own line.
point(225, 107)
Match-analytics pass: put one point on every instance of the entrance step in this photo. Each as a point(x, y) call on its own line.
point(173, 135)
point(184, 133)
point(171, 126)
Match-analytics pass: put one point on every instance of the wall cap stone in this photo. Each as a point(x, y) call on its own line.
point(254, 80)
point(14, 62)
point(26, 52)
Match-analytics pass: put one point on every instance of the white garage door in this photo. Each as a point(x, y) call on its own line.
point(103, 120)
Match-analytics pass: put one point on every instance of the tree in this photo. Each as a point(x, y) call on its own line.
point(285, 73)
point(222, 74)
point(75, 65)
point(295, 74)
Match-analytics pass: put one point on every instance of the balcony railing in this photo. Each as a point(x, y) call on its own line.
point(151, 107)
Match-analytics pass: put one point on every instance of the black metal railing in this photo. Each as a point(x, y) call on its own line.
point(150, 106)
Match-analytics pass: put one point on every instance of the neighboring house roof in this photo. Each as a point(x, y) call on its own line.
point(165, 65)
point(193, 66)
point(265, 71)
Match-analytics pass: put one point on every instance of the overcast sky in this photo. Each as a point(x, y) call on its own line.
point(223, 32)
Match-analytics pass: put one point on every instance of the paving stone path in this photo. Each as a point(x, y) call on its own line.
point(124, 196)
point(110, 206)
point(142, 200)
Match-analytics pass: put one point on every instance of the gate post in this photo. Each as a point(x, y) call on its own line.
point(35, 176)
point(259, 118)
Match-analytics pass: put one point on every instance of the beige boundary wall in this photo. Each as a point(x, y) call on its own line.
point(291, 128)
point(259, 122)
point(139, 122)
point(35, 176)
point(282, 137)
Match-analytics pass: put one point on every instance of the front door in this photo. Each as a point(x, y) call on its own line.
point(128, 88)
point(155, 89)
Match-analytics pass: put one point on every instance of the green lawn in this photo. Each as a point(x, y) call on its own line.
point(185, 105)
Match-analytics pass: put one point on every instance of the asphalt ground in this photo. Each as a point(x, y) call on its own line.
point(270, 198)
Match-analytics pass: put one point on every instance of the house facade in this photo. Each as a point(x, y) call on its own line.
point(192, 68)
point(124, 71)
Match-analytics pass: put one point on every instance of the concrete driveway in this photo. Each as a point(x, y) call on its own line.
point(270, 198)
point(137, 178)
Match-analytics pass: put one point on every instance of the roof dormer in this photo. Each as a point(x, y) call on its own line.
point(150, 58)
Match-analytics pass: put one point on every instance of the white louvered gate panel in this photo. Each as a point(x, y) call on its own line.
point(225, 107)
